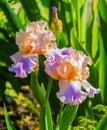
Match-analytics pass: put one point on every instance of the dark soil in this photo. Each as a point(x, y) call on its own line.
point(23, 110)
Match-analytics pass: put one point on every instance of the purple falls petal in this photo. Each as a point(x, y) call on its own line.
point(70, 92)
point(23, 65)
point(89, 88)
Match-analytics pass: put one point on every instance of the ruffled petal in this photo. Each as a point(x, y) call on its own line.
point(35, 39)
point(70, 92)
point(23, 65)
point(36, 27)
point(89, 88)
point(68, 64)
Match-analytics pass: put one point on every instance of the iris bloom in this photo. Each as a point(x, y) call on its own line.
point(69, 66)
point(34, 40)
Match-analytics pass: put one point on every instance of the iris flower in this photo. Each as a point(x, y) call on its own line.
point(69, 66)
point(31, 42)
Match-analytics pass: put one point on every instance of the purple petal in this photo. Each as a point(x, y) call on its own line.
point(89, 88)
point(23, 65)
point(70, 92)
point(54, 9)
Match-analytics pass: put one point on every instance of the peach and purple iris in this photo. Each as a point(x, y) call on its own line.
point(31, 42)
point(69, 66)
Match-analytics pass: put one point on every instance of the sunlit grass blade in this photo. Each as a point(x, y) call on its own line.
point(14, 18)
point(39, 91)
point(8, 122)
point(31, 9)
point(103, 72)
point(95, 38)
point(88, 45)
point(44, 7)
point(75, 43)
point(68, 116)
point(79, 19)
point(45, 111)
point(83, 20)
point(66, 17)
point(95, 30)
point(102, 5)
point(46, 118)
point(102, 125)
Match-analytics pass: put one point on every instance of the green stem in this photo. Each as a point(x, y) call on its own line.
point(59, 121)
point(65, 26)
point(49, 88)
point(60, 111)
point(42, 118)
point(78, 19)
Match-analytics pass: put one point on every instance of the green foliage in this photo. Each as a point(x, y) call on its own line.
point(46, 118)
point(39, 91)
point(8, 122)
point(42, 98)
point(11, 14)
point(31, 9)
point(84, 123)
point(103, 123)
point(75, 43)
point(102, 71)
point(67, 119)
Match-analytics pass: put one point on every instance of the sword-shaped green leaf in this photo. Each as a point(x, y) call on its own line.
point(14, 18)
point(8, 122)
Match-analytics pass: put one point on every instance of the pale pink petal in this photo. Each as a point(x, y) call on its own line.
point(36, 39)
point(70, 92)
point(36, 27)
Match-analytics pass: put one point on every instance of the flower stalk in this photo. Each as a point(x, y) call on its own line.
point(49, 88)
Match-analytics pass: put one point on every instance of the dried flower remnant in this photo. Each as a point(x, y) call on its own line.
point(36, 39)
point(69, 66)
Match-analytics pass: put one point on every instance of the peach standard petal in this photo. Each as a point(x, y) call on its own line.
point(36, 39)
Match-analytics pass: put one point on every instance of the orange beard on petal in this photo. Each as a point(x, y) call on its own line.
point(56, 76)
point(25, 49)
point(25, 45)
point(67, 71)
